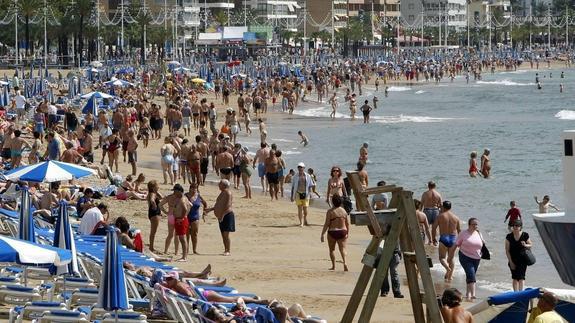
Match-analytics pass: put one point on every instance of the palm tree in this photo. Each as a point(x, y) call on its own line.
point(84, 9)
point(28, 8)
point(221, 18)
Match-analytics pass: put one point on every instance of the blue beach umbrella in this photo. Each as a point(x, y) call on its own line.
point(26, 220)
point(64, 239)
point(32, 254)
point(112, 294)
point(49, 171)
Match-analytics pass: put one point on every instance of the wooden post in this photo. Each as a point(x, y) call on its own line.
point(405, 231)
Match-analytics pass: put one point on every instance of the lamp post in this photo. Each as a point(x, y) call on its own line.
point(16, 31)
point(45, 37)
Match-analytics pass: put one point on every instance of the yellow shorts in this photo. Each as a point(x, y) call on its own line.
point(301, 202)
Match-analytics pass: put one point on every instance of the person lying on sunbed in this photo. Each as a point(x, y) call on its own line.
point(171, 281)
point(294, 314)
point(198, 278)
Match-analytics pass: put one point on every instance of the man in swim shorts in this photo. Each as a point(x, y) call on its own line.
point(202, 149)
point(300, 192)
point(272, 166)
point(225, 214)
point(449, 228)
point(431, 200)
point(260, 158)
point(178, 208)
point(225, 163)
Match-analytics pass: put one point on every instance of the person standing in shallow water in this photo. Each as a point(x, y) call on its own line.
point(485, 163)
point(473, 164)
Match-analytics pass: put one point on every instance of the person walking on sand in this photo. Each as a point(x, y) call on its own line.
point(449, 228)
point(515, 244)
point(485, 163)
point(178, 209)
point(545, 204)
point(431, 200)
point(337, 227)
point(300, 193)
point(224, 213)
point(260, 158)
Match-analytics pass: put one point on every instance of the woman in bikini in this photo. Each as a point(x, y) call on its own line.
point(335, 184)
point(473, 164)
point(337, 227)
point(154, 210)
point(113, 149)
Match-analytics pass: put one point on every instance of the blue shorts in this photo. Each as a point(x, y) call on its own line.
point(228, 223)
point(431, 213)
point(470, 266)
point(448, 240)
point(261, 170)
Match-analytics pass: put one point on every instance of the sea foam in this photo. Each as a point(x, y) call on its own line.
point(504, 82)
point(405, 118)
point(565, 115)
point(398, 88)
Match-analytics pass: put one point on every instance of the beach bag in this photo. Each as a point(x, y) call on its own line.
point(527, 256)
point(138, 242)
point(485, 254)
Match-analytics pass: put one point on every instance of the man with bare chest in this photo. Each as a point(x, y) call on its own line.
point(272, 166)
point(431, 200)
point(449, 228)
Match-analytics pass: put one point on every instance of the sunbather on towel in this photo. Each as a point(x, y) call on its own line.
point(171, 281)
point(198, 278)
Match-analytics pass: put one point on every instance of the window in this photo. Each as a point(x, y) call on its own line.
point(411, 6)
point(411, 18)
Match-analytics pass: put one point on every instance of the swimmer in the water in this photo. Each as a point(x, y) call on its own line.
point(473, 164)
point(561, 88)
point(304, 139)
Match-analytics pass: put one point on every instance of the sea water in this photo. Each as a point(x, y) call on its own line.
point(426, 131)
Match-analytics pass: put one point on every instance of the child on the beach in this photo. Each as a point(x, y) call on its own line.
point(545, 204)
point(289, 176)
point(303, 137)
point(314, 180)
point(473, 164)
point(386, 92)
point(513, 214)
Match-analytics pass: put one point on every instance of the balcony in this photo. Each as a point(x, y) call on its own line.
point(216, 4)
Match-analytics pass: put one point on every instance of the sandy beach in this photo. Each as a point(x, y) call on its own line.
point(270, 255)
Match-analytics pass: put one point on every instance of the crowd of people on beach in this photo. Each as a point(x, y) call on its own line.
point(202, 139)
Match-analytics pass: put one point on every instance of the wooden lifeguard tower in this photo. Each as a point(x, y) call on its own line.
point(405, 229)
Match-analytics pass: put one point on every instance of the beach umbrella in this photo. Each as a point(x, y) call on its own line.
point(112, 294)
point(198, 80)
point(118, 82)
point(101, 95)
point(32, 254)
point(49, 171)
point(64, 239)
point(93, 106)
point(26, 220)
point(96, 64)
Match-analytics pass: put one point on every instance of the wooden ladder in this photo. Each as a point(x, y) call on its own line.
point(405, 229)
